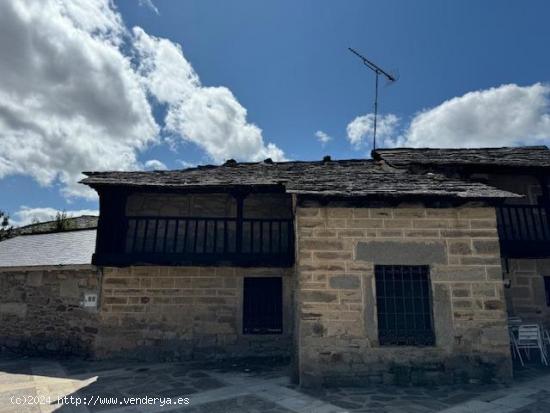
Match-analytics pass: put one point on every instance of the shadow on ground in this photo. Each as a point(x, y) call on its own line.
point(98, 384)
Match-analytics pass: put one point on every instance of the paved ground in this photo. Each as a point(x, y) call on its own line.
point(36, 385)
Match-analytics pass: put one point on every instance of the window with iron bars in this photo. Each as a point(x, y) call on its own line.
point(404, 305)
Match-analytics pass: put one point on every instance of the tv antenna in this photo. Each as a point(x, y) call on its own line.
point(378, 71)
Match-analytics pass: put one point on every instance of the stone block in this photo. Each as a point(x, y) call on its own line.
point(483, 223)
point(469, 233)
point(339, 212)
point(389, 233)
point(374, 213)
point(431, 223)
point(116, 300)
point(476, 213)
point(181, 282)
point(487, 260)
point(459, 247)
point(409, 212)
point(122, 282)
point(398, 223)
point(402, 252)
point(441, 213)
point(230, 282)
point(345, 282)
point(486, 247)
point(18, 310)
point(207, 282)
point(484, 290)
point(315, 223)
point(318, 296)
point(34, 278)
point(69, 288)
point(336, 223)
point(324, 233)
point(332, 255)
point(493, 305)
point(350, 233)
point(308, 212)
point(421, 233)
point(461, 292)
point(361, 213)
point(494, 273)
point(457, 273)
point(365, 223)
point(321, 245)
point(462, 304)
point(116, 308)
point(162, 282)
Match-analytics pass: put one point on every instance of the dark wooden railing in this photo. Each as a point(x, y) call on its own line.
point(524, 230)
point(201, 240)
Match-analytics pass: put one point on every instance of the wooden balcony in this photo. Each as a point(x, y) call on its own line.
point(524, 231)
point(203, 241)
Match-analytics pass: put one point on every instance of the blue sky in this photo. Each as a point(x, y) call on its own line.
point(287, 64)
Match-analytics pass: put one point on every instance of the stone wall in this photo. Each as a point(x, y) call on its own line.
point(336, 314)
point(526, 296)
point(184, 312)
point(40, 311)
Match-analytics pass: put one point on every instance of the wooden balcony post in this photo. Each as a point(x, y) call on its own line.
point(239, 197)
point(543, 181)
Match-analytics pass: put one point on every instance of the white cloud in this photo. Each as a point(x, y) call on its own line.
point(155, 164)
point(150, 5)
point(69, 98)
point(26, 215)
point(361, 129)
point(508, 115)
point(502, 116)
point(323, 137)
point(210, 117)
point(186, 164)
point(77, 89)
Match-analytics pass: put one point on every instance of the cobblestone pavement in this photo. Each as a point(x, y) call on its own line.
point(239, 388)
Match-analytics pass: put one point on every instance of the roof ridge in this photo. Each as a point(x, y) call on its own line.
point(56, 231)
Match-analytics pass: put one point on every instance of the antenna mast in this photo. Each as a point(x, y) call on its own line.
point(378, 71)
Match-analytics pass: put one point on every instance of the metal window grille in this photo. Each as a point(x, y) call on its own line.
point(404, 305)
point(263, 305)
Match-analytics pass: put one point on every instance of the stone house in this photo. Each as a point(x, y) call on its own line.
point(44, 279)
point(358, 270)
point(523, 223)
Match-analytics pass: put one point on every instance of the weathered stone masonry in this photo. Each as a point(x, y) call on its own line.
point(40, 311)
point(182, 312)
point(336, 314)
point(526, 297)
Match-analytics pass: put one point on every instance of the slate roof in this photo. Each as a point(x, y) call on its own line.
point(355, 177)
point(526, 156)
point(56, 248)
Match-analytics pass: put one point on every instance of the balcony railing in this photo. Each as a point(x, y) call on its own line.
point(201, 240)
point(524, 231)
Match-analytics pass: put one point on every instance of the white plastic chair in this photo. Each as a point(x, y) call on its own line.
point(546, 339)
point(530, 337)
point(515, 349)
point(514, 321)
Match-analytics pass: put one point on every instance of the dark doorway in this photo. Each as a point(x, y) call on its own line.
point(263, 305)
